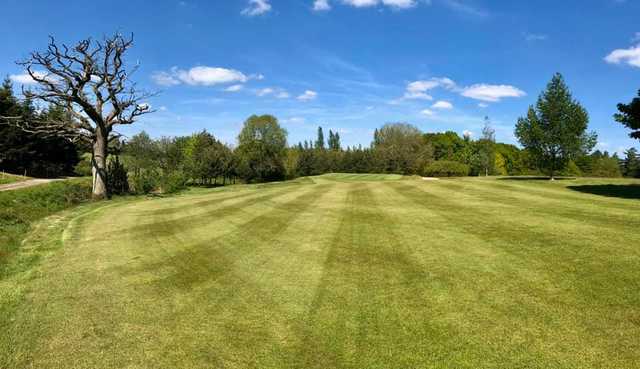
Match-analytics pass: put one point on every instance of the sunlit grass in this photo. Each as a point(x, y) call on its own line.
point(6, 178)
point(338, 271)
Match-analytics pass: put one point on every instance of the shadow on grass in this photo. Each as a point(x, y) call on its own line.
point(535, 178)
point(631, 191)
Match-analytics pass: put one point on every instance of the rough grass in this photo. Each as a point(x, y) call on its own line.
point(21, 209)
point(6, 178)
point(334, 272)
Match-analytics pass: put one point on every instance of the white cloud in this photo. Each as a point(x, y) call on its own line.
point(308, 96)
point(278, 93)
point(427, 112)
point(467, 133)
point(201, 76)
point(443, 105)
point(417, 90)
point(417, 96)
point(629, 56)
point(483, 105)
point(361, 3)
point(397, 4)
point(321, 5)
point(165, 79)
point(257, 7)
point(234, 88)
point(400, 4)
point(491, 93)
point(25, 78)
point(265, 91)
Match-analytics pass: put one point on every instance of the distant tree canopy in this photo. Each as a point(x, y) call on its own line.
point(261, 149)
point(399, 147)
point(28, 153)
point(555, 130)
point(629, 116)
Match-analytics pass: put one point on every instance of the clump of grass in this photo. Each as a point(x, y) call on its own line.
point(20, 209)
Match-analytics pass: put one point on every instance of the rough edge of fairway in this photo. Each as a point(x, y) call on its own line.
point(6, 178)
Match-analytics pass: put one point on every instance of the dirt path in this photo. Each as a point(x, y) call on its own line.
point(25, 184)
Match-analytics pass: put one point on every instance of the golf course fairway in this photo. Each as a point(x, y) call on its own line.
point(336, 271)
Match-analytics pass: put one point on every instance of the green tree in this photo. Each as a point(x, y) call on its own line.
point(445, 145)
point(486, 148)
point(334, 141)
point(24, 152)
point(631, 163)
point(396, 148)
point(629, 116)
point(320, 139)
point(141, 157)
point(555, 130)
point(606, 166)
point(261, 149)
point(501, 165)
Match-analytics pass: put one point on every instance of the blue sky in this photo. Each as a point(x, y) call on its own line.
point(352, 65)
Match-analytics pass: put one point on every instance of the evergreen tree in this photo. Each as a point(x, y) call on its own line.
point(23, 152)
point(555, 130)
point(631, 163)
point(334, 141)
point(320, 139)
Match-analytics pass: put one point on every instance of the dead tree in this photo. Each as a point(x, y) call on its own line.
point(90, 81)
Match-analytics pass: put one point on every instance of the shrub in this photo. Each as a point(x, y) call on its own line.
point(117, 179)
point(173, 182)
point(144, 182)
point(572, 170)
point(606, 167)
point(445, 168)
point(83, 168)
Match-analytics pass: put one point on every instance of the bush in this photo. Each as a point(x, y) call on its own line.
point(445, 168)
point(173, 182)
point(144, 182)
point(117, 179)
point(83, 168)
point(606, 167)
point(572, 170)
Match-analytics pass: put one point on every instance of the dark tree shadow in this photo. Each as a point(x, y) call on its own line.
point(535, 178)
point(631, 191)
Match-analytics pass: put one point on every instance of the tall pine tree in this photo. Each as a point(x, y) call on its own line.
point(320, 139)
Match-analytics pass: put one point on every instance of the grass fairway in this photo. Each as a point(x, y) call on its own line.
point(337, 271)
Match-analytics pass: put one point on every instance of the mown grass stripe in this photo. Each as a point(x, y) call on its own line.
point(583, 211)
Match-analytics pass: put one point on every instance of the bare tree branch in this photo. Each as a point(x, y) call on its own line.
point(91, 83)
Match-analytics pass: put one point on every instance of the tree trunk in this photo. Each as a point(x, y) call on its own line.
point(99, 166)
